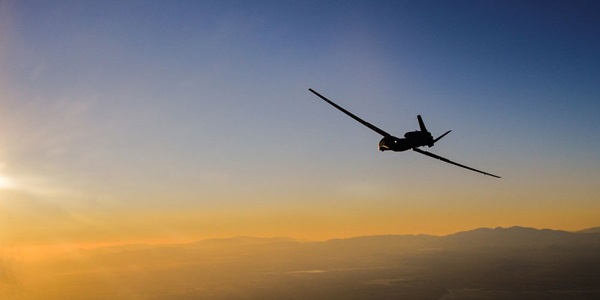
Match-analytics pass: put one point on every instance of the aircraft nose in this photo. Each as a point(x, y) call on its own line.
point(383, 144)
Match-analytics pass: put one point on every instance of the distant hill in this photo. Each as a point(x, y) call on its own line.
point(241, 240)
point(515, 237)
point(590, 230)
point(512, 237)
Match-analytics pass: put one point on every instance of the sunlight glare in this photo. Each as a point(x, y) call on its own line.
point(5, 182)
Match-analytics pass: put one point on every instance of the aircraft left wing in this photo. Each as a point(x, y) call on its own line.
point(451, 162)
point(371, 126)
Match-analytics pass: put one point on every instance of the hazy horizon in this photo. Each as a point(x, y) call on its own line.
point(515, 262)
point(55, 250)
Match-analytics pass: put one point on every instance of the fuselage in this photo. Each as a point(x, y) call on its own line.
point(412, 139)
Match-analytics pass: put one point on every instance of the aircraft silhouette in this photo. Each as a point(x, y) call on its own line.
point(412, 139)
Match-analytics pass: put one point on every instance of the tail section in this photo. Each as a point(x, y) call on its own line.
point(421, 124)
point(430, 139)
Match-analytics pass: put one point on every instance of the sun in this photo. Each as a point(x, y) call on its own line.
point(5, 182)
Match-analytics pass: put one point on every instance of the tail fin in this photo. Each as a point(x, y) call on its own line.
point(441, 136)
point(421, 124)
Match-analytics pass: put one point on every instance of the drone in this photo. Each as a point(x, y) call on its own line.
point(412, 140)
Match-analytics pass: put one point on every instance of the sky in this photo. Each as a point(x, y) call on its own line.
point(184, 120)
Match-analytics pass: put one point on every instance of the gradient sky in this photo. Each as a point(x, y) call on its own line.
point(181, 120)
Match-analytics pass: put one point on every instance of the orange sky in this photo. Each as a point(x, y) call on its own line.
point(169, 123)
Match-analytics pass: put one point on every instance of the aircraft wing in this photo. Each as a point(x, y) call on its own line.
point(371, 126)
point(451, 162)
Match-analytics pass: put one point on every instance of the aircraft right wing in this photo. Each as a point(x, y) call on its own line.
point(451, 162)
point(371, 126)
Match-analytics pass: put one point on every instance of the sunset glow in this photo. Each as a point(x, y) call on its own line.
point(149, 123)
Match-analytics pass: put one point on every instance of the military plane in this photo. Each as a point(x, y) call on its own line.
point(412, 139)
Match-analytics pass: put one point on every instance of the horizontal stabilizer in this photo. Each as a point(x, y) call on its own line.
point(441, 136)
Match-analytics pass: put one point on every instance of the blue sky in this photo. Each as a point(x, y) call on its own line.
point(110, 107)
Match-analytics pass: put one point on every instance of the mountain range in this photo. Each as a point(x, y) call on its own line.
point(485, 263)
